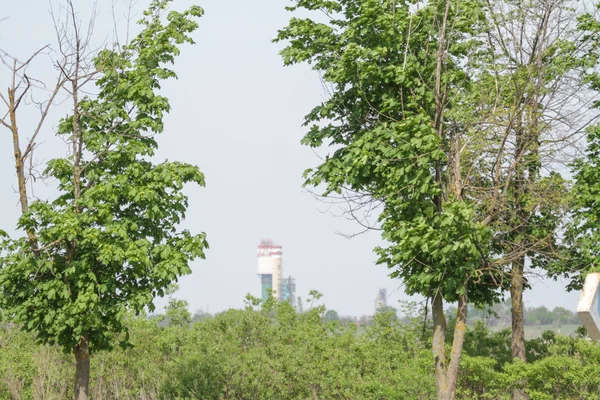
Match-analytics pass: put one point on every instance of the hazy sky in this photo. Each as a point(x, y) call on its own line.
point(237, 114)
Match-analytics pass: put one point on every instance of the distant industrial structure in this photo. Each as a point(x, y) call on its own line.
point(270, 272)
point(288, 290)
point(381, 300)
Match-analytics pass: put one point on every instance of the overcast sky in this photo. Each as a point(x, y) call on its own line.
point(237, 114)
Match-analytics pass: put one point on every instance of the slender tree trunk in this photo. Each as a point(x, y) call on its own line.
point(518, 325)
point(82, 355)
point(82, 369)
point(16, 92)
point(17, 153)
point(19, 165)
point(439, 345)
point(521, 221)
point(518, 329)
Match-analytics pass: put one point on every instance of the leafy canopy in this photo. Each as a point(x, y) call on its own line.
point(381, 122)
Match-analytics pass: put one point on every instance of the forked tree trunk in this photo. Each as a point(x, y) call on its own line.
point(446, 377)
point(82, 369)
point(518, 325)
point(460, 330)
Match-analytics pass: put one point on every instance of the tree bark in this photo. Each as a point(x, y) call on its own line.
point(518, 329)
point(17, 153)
point(82, 369)
point(518, 325)
point(439, 345)
point(457, 345)
point(19, 165)
point(446, 376)
point(524, 173)
point(15, 95)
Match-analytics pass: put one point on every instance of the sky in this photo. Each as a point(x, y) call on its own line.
point(236, 113)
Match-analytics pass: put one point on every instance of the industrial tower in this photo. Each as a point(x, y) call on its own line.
point(270, 271)
point(381, 300)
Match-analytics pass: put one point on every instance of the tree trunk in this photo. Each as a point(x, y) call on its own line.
point(19, 167)
point(82, 369)
point(516, 292)
point(17, 153)
point(457, 345)
point(518, 325)
point(446, 376)
point(439, 345)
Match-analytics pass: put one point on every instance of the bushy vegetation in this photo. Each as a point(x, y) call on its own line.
point(274, 352)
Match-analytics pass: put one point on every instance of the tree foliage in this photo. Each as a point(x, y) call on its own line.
point(109, 242)
point(379, 59)
point(398, 77)
point(583, 234)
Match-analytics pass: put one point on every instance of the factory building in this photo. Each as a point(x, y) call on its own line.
point(270, 272)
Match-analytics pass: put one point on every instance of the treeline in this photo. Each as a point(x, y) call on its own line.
point(499, 315)
point(274, 352)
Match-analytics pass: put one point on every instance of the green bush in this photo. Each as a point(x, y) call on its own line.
point(274, 352)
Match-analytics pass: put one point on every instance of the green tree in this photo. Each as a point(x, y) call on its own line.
point(109, 242)
point(532, 103)
point(538, 316)
point(396, 145)
point(331, 315)
point(177, 314)
point(562, 316)
point(397, 79)
point(201, 315)
point(583, 234)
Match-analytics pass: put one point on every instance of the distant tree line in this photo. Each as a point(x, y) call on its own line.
point(498, 315)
